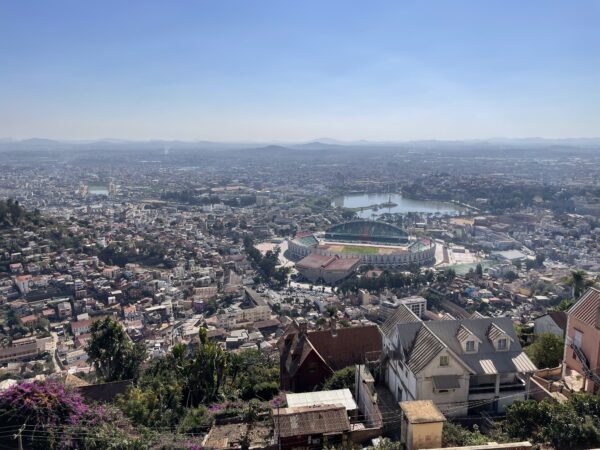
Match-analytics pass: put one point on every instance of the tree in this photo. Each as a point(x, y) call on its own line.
point(196, 420)
point(341, 379)
point(479, 270)
point(546, 350)
point(331, 310)
point(387, 444)
point(573, 424)
point(450, 274)
point(112, 353)
point(578, 282)
point(204, 372)
point(252, 374)
point(51, 416)
point(156, 404)
point(510, 276)
point(564, 305)
point(539, 259)
point(454, 435)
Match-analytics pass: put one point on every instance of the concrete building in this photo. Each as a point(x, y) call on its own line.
point(582, 343)
point(455, 363)
point(554, 322)
point(422, 424)
point(330, 269)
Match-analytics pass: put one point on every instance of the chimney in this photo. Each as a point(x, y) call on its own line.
point(598, 318)
point(333, 324)
point(303, 325)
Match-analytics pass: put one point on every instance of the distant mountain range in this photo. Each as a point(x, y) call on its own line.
point(40, 144)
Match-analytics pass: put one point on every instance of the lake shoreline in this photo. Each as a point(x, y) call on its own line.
point(369, 204)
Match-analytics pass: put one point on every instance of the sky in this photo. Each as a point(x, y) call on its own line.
point(260, 70)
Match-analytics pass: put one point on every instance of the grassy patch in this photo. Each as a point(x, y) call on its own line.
point(360, 250)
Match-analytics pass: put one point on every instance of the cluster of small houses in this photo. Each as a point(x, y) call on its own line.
point(411, 374)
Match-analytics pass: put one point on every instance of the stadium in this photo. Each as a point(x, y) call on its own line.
point(376, 243)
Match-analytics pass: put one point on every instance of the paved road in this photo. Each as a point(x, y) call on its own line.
point(52, 350)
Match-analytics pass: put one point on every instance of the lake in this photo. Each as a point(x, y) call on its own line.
point(97, 189)
point(403, 205)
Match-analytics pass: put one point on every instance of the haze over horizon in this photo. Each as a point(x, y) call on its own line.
point(287, 72)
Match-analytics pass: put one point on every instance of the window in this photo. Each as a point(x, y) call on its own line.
point(501, 344)
point(470, 346)
point(577, 338)
point(444, 360)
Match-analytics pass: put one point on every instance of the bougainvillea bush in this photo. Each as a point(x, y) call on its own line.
point(48, 415)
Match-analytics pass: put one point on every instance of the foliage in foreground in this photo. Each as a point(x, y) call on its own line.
point(112, 353)
point(174, 391)
point(546, 350)
point(574, 424)
point(454, 435)
point(51, 416)
point(343, 378)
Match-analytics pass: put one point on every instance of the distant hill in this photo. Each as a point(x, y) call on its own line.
point(14, 215)
point(41, 145)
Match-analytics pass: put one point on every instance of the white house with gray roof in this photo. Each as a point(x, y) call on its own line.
point(464, 366)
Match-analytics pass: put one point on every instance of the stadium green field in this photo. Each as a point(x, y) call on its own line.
point(359, 250)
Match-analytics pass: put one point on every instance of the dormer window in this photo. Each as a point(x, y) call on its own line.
point(444, 361)
point(468, 340)
point(499, 338)
point(502, 344)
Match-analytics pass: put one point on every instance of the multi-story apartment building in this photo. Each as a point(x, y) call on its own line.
point(582, 343)
point(463, 366)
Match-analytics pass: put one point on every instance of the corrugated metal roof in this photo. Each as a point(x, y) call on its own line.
point(464, 333)
point(523, 363)
point(477, 315)
point(426, 347)
point(586, 309)
point(403, 314)
point(332, 397)
point(311, 420)
point(495, 332)
point(418, 343)
point(488, 366)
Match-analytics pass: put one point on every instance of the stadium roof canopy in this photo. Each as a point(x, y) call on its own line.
point(367, 231)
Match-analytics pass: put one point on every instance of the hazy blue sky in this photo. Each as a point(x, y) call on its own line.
point(298, 70)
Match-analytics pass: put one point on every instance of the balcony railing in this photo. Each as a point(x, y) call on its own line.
point(491, 388)
point(585, 363)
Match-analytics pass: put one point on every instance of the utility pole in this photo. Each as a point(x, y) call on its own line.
point(278, 426)
point(19, 436)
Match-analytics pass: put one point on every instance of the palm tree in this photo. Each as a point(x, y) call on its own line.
point(578, 282)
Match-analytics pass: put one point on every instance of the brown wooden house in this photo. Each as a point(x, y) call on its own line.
point(308, 358)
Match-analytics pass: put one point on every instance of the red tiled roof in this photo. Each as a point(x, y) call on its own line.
point(30, 318)
point(559, 318)
point(81, 323)
point(314, 261)
point(348, 346)
point(342, 264)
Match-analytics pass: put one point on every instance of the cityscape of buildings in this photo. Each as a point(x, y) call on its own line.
point(435, 314)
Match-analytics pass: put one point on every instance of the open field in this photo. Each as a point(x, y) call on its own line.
point(361, 249)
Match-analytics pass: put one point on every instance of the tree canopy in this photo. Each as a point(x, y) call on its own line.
point(574, 424)
point(112, 353)
point(546, 350)
point(343, 378)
